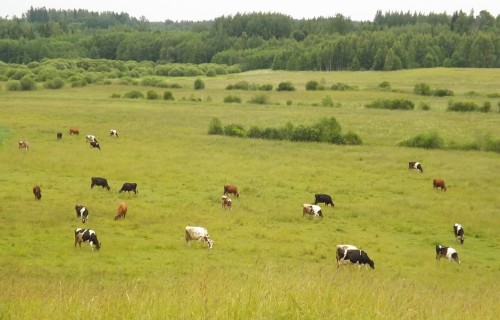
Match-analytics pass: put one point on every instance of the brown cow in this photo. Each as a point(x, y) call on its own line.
point(438, 183)
point(74, 131)
point(230, 188)
point(24, 145)
point(122, 211)
point(226, 202)
point(37, 192)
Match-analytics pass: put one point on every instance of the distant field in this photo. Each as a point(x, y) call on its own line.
point(268, 262)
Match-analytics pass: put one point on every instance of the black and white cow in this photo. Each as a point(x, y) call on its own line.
point(311, 210)
point(458, 230)
point(88, 236)
point(90, 138)
point(415, 165)
point(353, 256)
point(113, 133)
point(449, 253)
point(128, 186)
point(98, 181)
point(323, 198)
point(82, 212)
point(95, 144)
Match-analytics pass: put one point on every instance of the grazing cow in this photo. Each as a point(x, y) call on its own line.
point(37, 192)
point(82, 212)
point(354, 256)
point(87, 235)
point(95, 144)
point(97, 181)
point(59, 135)
point(438, 183)
point(415, 165)
point(312, 210)
point(90, 138)
point(459, 232)
point(122, 211)
point(113, 133)
point(447, 252)
point(226, 202)
point(230, 188)
point(344, 248)
point(74, 131)
point(127, 186)
point(199, 234)
point(24, 145)
point(323, 198)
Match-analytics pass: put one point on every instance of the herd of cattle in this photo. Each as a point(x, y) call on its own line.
point(345, 253)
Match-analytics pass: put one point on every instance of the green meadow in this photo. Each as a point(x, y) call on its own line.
point(268, 261)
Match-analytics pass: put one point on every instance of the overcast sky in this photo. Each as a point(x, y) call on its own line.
point(196, 10)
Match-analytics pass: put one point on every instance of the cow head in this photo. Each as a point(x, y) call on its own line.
point(209, 242)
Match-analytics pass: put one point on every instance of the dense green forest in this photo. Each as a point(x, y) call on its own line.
point(392, 41)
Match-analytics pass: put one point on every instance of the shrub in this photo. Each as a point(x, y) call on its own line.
point(266, 87)
point(115, 95)
point(56, 83)
point(285, 86)
point(303, 133)
point(385, 85)
point(255, 133)
point(274, 134)
point(232, 99)
point(400, 104)
point(14, 85)
point(234, 130)
point(422, 89)
point(327, 101)
point(425, 140)
point(242, 85)
point(260, 99)
point(167, 95)
point(462, 106)
point(134, 94)
point(424, 106)
point(199, 84)
point(340, 86)
point(215, 127)
point(352, 138)
point(442, 92)
point(211, 73)
point(486, 107)
point(493, 95)
point(152, 95)
point(27, 83)
point(328, 129)
point(312, 85)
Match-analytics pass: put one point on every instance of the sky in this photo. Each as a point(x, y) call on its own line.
point(198, 10)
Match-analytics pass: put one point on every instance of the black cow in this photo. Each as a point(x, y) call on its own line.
point(358, 257)
point(97, 181)
point(128, 186)
point(86, 235)
point(95, 144)
point(59, 135)
point(82, 211)
point(323, 198)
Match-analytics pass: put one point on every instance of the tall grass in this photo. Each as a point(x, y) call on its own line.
point(268, 262)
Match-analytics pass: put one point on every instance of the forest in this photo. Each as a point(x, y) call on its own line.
point(392, 41)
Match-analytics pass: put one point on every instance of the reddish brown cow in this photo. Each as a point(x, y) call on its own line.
point(230, 188)
point(438, 183)
point(226, 202)
point(74, 131)
point(122, 211)
point(24, 145)
point(37, 192)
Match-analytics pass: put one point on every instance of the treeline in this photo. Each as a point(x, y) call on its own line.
point(392, 41)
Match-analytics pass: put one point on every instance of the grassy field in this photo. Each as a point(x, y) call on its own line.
point(268, 262)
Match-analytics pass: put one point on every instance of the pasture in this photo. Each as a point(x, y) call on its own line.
point(268, 262)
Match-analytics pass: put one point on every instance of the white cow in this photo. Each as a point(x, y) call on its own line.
point(113, 132)
point(312, 209)
point(199, 234)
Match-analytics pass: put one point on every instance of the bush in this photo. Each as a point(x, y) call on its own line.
point(167, 95)
point(14, 85)
point(215, 127)
point(442, 92)
point(385, 85)
point(352, 138)
point(265, 87)
point(199, 84)
point(27, 83)
point(255, 133)
point(422, 89)
point(56, 83)
point(425, 140)
point(234, 130)
point(285, 86)
point(134, 94)
point(152, 95)
point(115, 95)
point(400, 104)
point(462, 106)
point(260, 99)
point(486, 107)
point(340, 86)
point(232, 99)
point(303, 133)
point(327, 101)
point(312, 85)
point(242, 85)
point(424, 106)
point(211, 73)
